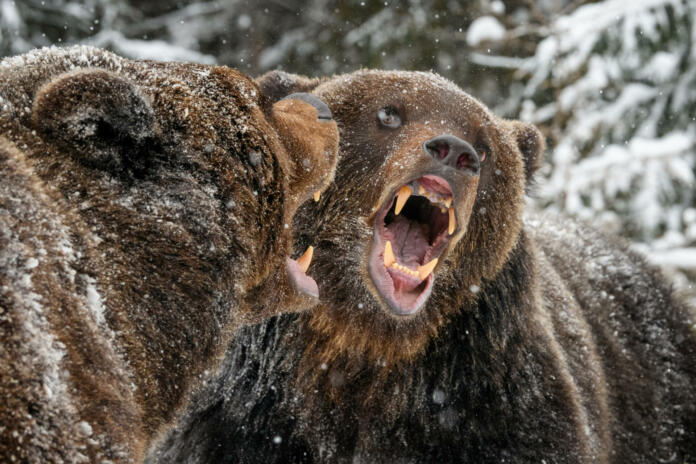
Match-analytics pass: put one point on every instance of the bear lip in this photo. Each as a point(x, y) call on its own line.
point(302, 282)
point(418, 235)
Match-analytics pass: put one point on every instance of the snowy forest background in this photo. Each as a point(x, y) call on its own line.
point(611, 83)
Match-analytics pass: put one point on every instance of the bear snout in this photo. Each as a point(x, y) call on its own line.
point(453, 152)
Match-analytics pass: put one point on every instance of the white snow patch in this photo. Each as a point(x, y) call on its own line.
point(94, 301)
point(681, 258)
point(84, 429)
point(9, 16)
point(42, 349)
point(661, 68)
point(148, 49)
point(484, 29)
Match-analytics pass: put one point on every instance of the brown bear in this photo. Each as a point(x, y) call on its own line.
point(454, 326)
point(145, 213)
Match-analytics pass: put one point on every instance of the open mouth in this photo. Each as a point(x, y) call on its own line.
point(412, 229)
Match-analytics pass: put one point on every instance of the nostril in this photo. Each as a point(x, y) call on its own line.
point(442, 151)
point(453, 152)
point(438, 150)
point(466, 160)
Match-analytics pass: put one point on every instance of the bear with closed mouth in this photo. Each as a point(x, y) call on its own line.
point(454, 325)
point(145, 215)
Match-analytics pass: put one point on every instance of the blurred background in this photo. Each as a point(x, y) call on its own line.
point(612, 84)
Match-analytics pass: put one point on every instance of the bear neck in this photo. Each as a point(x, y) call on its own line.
point(488, 331)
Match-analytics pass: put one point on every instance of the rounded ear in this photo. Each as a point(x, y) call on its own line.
point(98, 117)
point(275, 85)
point(310, 137)
point(531, 144)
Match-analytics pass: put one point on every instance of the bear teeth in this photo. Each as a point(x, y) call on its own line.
point(407, 190)
point(405, 270)
point(425, 270)
point(401, 197)
point(445, 203)
point(305, 260)
point(390, 261)
point(389, 257)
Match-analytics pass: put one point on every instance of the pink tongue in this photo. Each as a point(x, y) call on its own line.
point(408, 241)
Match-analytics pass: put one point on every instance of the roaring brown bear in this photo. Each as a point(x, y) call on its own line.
point(145, 213)
point(451, 329)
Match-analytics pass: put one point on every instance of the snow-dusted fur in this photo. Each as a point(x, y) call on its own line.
point(144, 212)
point(542, 341)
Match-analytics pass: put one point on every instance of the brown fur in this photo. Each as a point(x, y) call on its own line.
point(542, 340)
point(375, 333)
point(143, 206)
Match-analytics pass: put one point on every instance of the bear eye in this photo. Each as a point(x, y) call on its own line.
point(388, 117)
point(483, 151)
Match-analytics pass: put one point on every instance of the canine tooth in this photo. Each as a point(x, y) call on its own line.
point(317, 194)
point(421, 190)
point(424, 271)
point(402, 196)
point(306, 259)
point(389, 258)
point(448, 202)
point(452, 221)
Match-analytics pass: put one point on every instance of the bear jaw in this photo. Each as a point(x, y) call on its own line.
point(419, 222)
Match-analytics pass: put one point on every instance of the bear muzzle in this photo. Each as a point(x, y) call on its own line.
point(412, 231)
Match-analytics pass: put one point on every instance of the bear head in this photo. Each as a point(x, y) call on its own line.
point(139, 124)
point(425, 208)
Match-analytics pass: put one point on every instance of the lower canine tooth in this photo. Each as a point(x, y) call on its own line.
point(425, 270)
point(389, 258)
point(317, 194)
point(306, 259)
point(452, 222)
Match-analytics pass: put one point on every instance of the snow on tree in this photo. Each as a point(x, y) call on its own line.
point(613, 84)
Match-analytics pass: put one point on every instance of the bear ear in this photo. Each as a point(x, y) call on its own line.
point(275, 85)
point(310, 137)
point(98, 117)
point(531, 145)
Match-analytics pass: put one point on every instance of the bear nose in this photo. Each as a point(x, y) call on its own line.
point(454, 152)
